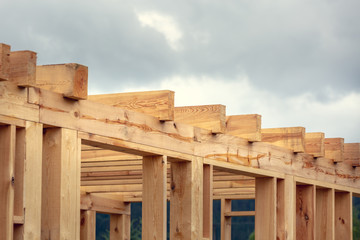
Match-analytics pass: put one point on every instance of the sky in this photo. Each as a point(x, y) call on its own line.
point(296, 63)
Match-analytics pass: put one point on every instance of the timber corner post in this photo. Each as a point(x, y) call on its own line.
point(65, 156)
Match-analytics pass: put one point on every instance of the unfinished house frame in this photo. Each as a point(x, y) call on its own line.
point(65, 155)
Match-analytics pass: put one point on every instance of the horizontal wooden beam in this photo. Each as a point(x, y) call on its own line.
point(70, 79)
point(159, 104)
point(239, 213)
point(334, 149)
point(292, 138)
point(246, 126)
point(4, 62)
point(352, 154)
point(104, 203)
point(23, 68)
point(210, 117)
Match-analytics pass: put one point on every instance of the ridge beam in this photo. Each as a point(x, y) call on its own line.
point(292, 138)
point(352, 154)
point(334, 149)
point(159, 104)
point(314, 144)
point(210, 117)
point(247, 126)
point(4, 62)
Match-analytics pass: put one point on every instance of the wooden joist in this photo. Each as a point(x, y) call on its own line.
point(23, 68)
point(352, 154)
point(292, 138)
point(159, 104)
point(245, 126)
point(4, 62)
point(210, 117)
point(314, 144)
point(334, 149)
point(103, 203)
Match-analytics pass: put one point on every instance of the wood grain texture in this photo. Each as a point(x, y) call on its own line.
point(225, 220)
point(103, 203)
point(87, 225)
point(314, 144)
point(305, 212)
point(70, 79)
point(292, 138)
point(23, 68)
point(4, 61)
point(120, 226)
point(334, 149)
point(159, 104)
point(325, 210)
point(207, 201)
point(210, 117)
point(343, 216)
point(352, 154)
point(246, 126)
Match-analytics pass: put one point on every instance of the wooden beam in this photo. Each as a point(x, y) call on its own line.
point(292, 138)
point(207, 201)
point(314, 144)
point(305, 212)
point(352, 154)
point(239, 213)
point(159, 104)
point(343, 215)
point(4, 62)
point(246, 126)
point(210, 117)
point(103, 203)
point(225, 221)
point(325, 214)
point(7, 179)
point(265, 208)
point(70, 79)
point(154, 197)
point(23, 68)
point(120, 226)
point(61, 184)
point(334, 149)
point(87, 225)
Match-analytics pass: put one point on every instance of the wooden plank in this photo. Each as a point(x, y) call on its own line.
point(343, 216)
point(159, 104)
point(4, 61)
point(225, 221)
point(292, 138)
point(23, 68)
point(103, 203)
point(154, 197)
point(265, 208)
point(7, 164)
point(352, 154)
point(334, 149)
point(314, 144)
point(246, 126)
point(239, 213)
point(325, 214)
point(120, 226)
point(70, 79)
point(186, 199)
point(18, 220)
point(87, 225)
point(305, 212)
point(210, 117)
point(61, 184)
point(207, 201)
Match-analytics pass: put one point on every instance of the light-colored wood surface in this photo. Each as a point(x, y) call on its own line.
point(225, 221)
point(208, 179)
point(352, 154)
point(343, 216)
point(120, 226)
point(334, 149)
point(305, 212)
point(70, 79)
point(325, 214)
point(4, 61)
point(314, 144)
point(247, 126)
point(292, 138)
point(159, 104)
point(23, 68)
point(103, 203)
point(210, 117)
point(87, 225)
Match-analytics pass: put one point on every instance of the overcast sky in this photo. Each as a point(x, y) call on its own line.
point(297, 63)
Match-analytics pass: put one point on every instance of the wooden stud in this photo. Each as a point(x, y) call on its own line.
point(334, 149)
point(225, 221)
point(343, 216)
point(120, 226)
point(4, 62)
point(305, 212)
point(246, 126)
point(314, 144)
point(154, 197)
point(61, 185)
point(265, 208)
point(70, 79)
point(23, 68)
point(325, 214)
point(210, 117)
point(159, 104)
point(7, 179)
point(352, 154)
point(87, 225)
point(207, 201)
point(292, 138)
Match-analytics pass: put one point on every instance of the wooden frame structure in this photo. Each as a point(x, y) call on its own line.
point(63, 158)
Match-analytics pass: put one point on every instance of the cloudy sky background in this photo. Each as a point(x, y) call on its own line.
point(297, 63)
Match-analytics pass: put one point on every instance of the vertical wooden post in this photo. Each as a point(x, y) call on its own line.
point(343, 215)
point(325, 214)
point(87, 225)
point(305, 212)
point(225, 220)
point(186, 198)
point(120, 226)
point(7, 164)
point(265, 208)
point(154, 197)
point(208, 201)
point(61, 185)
